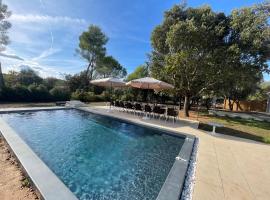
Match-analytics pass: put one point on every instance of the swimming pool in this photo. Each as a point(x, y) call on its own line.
point(98, 157)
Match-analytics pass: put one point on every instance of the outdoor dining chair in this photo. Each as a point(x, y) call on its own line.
point(147, 110)
point(138, 108)
point(122, 105)
point(117, 104)
point(171, 112)
point(162, 113)
point(129, 107)
point(156, 111)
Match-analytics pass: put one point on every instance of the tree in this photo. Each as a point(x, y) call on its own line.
point(51, 82)
point(4, 40)
point(140, 72)
point(109, 67)
point(203, 52)
point(186, 49)
point(27, 77)
point(77, 81)
point(247, 53)
point(92, 48)
point(132, 93)
point(261, 93)
point(11, 78)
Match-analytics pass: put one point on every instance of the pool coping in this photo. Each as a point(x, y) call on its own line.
point(38, 171)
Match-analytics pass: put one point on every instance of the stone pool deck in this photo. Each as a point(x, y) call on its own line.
point(228, 167)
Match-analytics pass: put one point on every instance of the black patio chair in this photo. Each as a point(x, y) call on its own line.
point(129, 107)
point(171, 112)
point(138, 108)
point(147, 110)
point(162, 113)
point(117, 104)
point(156, 110)
point(112, 103)
point(122, 105)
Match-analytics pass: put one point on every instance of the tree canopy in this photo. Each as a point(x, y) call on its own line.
point(4, 39)
point(202, 51)
point(92, 48)
point(110, 67)
point(247, 52)
point(190, 50)
point(140, 72)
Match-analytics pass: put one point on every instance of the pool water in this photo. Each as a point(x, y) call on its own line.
point(99, 157)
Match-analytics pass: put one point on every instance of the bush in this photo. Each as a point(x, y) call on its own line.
point(34, 93)
point(21, 93)
point(39, 93)
point(7, 94)
point(88, 96)
point(60, 93)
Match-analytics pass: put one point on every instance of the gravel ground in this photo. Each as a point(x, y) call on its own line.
point(13, 185)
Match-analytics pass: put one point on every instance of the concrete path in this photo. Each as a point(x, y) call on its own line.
point(228, 167)
point(3, 110)
point(259, 116)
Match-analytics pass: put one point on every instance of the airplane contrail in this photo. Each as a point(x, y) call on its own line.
point(12, 56)
point(50, 28)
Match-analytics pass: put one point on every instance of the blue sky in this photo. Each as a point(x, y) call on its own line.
point(45, 33)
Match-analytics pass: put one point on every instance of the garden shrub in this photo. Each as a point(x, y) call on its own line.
point(21, 93)
point(88, 96)
point(60, 93)
point(39, 93)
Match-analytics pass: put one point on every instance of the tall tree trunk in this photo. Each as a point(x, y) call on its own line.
point(237, 104)
point(230, 104)
point(89, 71)
point(180, 103)
point(207, 104)
point(186, 106)
point(224, 103)
point(2, 82)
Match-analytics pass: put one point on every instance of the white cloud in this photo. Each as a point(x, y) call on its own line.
point(45, 54)
point(16, 63)
point(30, 18)
point(37, 38)
point(12, 56)
point(42, 70)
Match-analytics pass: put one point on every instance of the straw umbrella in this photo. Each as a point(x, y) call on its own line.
point(149, 83)
point(110, 83)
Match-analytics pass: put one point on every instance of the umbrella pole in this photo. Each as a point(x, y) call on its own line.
point(148, 94)
point(111, 97)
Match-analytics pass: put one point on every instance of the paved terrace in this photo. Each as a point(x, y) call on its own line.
point(228, 167)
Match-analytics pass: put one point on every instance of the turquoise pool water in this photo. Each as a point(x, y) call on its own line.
point(99, 157)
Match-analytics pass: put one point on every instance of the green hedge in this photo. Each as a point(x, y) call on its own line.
point(60, 93)
point(33, 93)
point(89, 96)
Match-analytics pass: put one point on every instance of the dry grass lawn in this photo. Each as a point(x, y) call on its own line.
point(244, 128)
